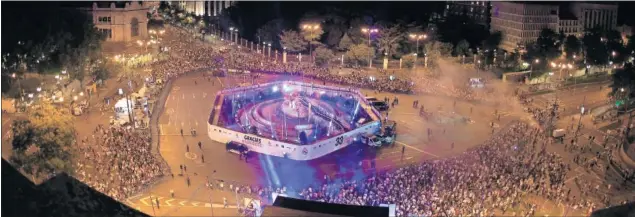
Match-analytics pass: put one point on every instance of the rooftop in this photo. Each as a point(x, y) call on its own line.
point(286, 206)
point(61, 195)
point(566, 14)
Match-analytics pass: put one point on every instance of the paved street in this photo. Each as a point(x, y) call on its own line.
point(570, 99)
point(189, 105)
point(583, 178)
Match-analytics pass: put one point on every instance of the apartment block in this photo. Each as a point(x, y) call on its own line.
point(479, 11)
point(521, 23)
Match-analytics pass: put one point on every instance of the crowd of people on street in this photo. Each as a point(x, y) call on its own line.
point(490, 179)
point(187, 53)
point(495, 178)
point(117, 161)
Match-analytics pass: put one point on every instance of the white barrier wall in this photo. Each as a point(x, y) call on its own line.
point(293, 151)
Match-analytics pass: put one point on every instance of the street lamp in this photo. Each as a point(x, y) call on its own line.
point(236, 30)
point(312, 29)
point(370, 31)
point(269, 50)
point(417, 37)
point(231, 34)
point(531, 67)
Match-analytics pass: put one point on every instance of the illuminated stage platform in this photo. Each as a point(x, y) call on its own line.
point(290, 119)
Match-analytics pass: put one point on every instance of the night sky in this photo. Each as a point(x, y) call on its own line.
point(253, 14)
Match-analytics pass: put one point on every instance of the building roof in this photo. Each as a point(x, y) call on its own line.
point(274, 211)
point(61, 195)
point(615, 211)
point(566, 14)
point(299, 207)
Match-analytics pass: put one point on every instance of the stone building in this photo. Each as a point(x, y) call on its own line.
point(569, 24)
point(521, 23)
point(122, 21)
point(479, 11)
point(204, 8)
point(603, 15)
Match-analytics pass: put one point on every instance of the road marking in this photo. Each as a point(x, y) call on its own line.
point(168, 202)
point(422, 151)
point(182, 202)
point(143, 200)
point(190, 155)
point(573, 178)
point(130, 199)
point(208, 205)
point(193, 96)
point(195, 203)
point(183, 96)
point(221, 82)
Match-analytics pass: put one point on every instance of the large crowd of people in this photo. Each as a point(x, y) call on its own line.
point(188, 53)
point(487, 180)
point(495, 178)
point(117, 161)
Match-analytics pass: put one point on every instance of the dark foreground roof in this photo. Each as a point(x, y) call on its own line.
point(626, 210)
point(285, 206)
point(59, 196)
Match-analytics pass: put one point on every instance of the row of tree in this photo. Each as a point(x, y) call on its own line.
point(597, 46)
point(55, 40)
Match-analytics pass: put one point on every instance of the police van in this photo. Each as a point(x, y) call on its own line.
point(236, 148)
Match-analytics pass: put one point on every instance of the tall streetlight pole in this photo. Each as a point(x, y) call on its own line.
point(236, 30)
point(370, 31)
point(531, 68)
point(311, 28)
point(417, 37)
point(231, 34)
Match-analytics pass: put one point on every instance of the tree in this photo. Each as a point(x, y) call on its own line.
point(323, 55)
point(42, 143)
point(461, 48)
point(572, 46)
point(630, 46)
point(270, 31)
point(623, 82)
point(436, 49)
point(493, 40)
point(390, 35)
point(614, 43)
point(293, 41)
point(345, 43)
point(595, 47)
point(408, 60)
point(547, 45)
point(358, 54)
point(335, 25)
point(101, 72)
